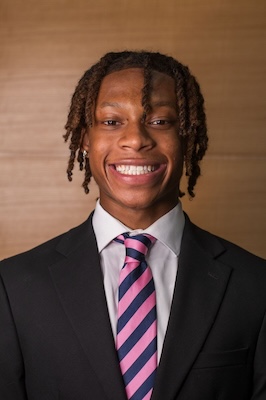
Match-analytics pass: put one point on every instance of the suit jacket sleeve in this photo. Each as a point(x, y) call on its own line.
point(11, 365)
point(259, 388)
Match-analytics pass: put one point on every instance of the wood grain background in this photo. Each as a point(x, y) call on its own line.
point(44, 49)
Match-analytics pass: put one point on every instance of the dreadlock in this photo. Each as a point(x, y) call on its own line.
point(190, 102)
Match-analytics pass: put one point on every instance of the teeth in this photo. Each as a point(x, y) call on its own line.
point(134, 169)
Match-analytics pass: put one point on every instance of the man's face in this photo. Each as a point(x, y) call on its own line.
point(137, 164)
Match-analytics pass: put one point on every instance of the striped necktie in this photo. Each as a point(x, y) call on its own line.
point(136, 340)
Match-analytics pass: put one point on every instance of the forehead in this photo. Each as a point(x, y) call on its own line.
point(130, 82)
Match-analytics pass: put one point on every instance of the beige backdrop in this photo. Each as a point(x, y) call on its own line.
point(46, 46)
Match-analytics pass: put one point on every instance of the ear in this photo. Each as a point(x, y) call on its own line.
point(85, 142)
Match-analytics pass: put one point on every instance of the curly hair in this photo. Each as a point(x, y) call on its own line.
point(190, 105)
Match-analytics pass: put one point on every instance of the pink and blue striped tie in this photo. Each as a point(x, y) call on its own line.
point(136, 340)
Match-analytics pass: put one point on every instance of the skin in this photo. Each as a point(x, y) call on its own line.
point(120, 137)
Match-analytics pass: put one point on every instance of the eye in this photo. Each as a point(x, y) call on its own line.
point(160, 122)
point(111, 122)
point(165, 122)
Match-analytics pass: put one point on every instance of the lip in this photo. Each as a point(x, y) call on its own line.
point(136, 162)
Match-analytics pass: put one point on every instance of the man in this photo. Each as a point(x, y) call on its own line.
point(74, 323)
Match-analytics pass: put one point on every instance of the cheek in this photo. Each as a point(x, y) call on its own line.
point(174, 152)
point(97, 149)
point(175, 159)
point(98, 154)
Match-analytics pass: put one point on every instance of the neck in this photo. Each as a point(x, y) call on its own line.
point(138, 218)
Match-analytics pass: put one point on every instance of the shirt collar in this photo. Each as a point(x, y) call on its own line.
point(168, 229)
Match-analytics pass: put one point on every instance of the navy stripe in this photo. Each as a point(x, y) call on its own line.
point(141, 361)
point(143, 239)
point(135, 305)
point(134, 253)
point(137, 334)
point(119, 240)
point(130, 279)
point(144, 388)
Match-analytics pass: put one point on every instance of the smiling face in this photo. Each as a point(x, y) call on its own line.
point(137, 164)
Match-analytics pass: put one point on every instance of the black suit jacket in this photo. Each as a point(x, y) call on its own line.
point(56, 341)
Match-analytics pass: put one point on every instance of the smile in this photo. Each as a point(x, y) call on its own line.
point(135, 169)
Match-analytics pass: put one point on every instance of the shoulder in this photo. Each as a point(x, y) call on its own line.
point(222, 249)
point(210, 254)
point(48, 252)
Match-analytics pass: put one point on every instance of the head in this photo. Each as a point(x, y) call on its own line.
point(189, 101)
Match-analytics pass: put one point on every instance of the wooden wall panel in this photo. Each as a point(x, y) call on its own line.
point(44, 49)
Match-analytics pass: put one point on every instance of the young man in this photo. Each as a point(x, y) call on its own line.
point(183, 316)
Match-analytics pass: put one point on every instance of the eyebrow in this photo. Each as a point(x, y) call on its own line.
point(161, 103)
point(108, 104)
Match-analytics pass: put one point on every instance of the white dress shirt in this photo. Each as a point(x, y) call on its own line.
point(162, 259)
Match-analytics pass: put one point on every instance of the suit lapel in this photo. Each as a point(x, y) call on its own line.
point(79, 284)
point(199, 290)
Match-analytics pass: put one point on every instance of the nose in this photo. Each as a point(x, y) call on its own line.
point(136, 137)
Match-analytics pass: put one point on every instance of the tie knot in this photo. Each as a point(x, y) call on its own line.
point(137, 246)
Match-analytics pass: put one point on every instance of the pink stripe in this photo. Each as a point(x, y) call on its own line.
point(135, 320)
point(137, 245)
point(141, 376)
point(152, 239)
point(139, 347)
point(134, 290)
point(148, 395)
point(121, 237)
point(126, 271)
point(131, 260)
